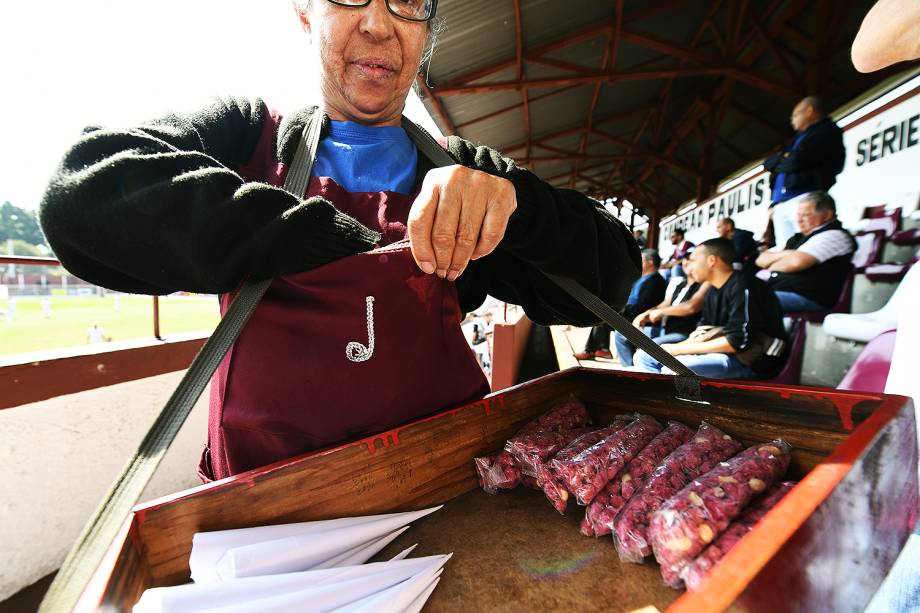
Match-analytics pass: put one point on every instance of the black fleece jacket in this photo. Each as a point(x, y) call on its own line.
point(161, 207)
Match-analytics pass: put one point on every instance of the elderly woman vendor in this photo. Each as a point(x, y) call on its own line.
point(359, 331)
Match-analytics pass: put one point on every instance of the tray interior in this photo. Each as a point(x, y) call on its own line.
point(509, 548)
point(513, 551)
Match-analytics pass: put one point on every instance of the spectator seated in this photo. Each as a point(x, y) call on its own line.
point(869, 246)
point(863, 327)
point(740, 333)
point(869, 372)
point(811, 272)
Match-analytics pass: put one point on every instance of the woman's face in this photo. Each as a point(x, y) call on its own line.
point(368, 59)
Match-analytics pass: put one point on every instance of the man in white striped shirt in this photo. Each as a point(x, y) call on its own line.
point(809, 273)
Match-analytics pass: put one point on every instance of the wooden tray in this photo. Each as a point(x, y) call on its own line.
point(826, 546)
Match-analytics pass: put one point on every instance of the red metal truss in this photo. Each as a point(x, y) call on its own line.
point(651, 163)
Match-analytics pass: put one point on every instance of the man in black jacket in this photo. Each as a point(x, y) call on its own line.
point(647, 292)
point(743, 241)
point(809, 274)
point(810, 162)
point(741, 334)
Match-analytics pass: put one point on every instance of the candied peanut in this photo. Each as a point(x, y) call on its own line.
point(706, 533)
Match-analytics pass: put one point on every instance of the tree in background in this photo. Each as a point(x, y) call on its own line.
point(20, 225)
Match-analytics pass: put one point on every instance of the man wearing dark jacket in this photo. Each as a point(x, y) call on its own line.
point(809, 163)
point(647, 292)
point(742, 240)
point(741, 334)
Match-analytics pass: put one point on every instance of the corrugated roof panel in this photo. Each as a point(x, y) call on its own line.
point(477, 33)
point(548, 20)
point(482, 34)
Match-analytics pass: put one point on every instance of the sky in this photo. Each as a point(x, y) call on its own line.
point(68, 64)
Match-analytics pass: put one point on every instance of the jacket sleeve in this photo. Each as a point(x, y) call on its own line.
point(554, 230)
point(739, 326)
point(161, 207)
point(824, 146)
point(651, 294)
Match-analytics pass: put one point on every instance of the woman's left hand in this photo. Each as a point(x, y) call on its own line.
point(460, 215)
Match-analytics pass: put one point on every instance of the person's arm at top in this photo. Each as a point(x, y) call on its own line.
point(685, 308)
point(688, 347)
point(559, 231)
point(644, 318)
point(768, 258)
point(160, 207)
point(890, 33)
point(793, 261)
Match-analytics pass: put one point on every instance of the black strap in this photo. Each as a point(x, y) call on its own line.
point(102, 528)
point(687, 382)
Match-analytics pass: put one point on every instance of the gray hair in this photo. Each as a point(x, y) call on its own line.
point(435, 27)
point(822, 201)
point(652, 256)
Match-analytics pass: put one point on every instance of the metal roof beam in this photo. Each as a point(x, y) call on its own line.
point(438, 106)
point(571, 39)
point(600, 77)
point(512, 107)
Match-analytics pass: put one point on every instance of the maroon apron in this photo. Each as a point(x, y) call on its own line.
point(350, 349)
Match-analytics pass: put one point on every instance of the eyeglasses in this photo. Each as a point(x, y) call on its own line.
point(413, 10)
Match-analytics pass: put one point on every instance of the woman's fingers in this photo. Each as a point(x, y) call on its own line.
point(421, 219)
point(467, 235)
point(460, 214)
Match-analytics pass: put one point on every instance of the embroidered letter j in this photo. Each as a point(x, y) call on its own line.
point(355, 351)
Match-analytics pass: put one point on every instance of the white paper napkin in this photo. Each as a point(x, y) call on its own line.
point(305, 551)
point(209, 547)
point(198, 597)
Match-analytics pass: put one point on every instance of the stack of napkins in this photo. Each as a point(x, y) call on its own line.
point(310, 567)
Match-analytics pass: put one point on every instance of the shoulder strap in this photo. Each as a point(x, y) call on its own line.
point(87, 553)
point(687, 382)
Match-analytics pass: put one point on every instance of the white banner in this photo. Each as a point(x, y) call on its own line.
point(882, 167)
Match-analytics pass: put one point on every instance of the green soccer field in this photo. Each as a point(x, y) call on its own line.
point(71, 316)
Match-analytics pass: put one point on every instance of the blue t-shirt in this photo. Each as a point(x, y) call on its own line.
point(780, 193)
point(634, 292)
point(367, 159)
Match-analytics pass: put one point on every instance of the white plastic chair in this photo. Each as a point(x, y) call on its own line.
point(863, 327)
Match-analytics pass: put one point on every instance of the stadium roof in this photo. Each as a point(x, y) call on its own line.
point(654, 101)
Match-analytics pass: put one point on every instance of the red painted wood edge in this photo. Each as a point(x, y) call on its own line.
point(91, 599)
point(41, 380)
point(736, 570)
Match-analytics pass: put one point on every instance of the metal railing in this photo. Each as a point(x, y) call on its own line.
point(25, 260)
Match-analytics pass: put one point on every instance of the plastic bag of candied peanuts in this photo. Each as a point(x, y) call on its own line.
point(693, 518)
point(705, 450)
point(531, 450)
point(565, 416)
point(587, 473)
point(552, 487)
point(694, 574)
point(502, 471)
point(601, 513)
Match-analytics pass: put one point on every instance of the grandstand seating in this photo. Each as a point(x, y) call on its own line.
point(863, 327)
point(792, 371)
point(889, 223)
point(869, 372)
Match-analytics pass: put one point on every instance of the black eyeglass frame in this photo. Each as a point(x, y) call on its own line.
point(434, 9)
